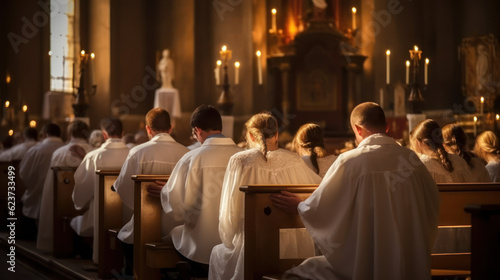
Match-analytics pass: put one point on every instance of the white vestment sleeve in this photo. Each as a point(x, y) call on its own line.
point(124, 184)
point(84, 183)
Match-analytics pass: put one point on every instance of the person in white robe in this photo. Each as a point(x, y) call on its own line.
point(63, 157)
point(18, 151)
point(426, 140)
point(264, 163)
point(374, 215)
point(34, 168)
point(192, 194)
point(158, 156)
point(309, 144)
point(487, 148)
point(110, 155)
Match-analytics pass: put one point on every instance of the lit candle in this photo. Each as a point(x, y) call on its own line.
point(273, 21)
point(381, 98)
point(11, 132)
point(92, 65)
point(259, 67)
point(7, 104)
point(236, 72)
point(82, 53)
point(475, 125)
point(217, 72)
point(415, 47)
point(33, 123)
point(50, 53)
point(25, 108)
point(407, 72)
point(497, 117)
point(388, 67)
point(425, 71)
point(482, 105)
point(353, 18)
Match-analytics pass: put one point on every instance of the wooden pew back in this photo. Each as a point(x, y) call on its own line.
point(64, 211)
point(109, 216)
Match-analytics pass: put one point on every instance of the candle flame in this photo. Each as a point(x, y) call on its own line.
point(33, 123)
point(219, 63)
point(8, 78)
point(388, 52)
point(92, 55)
point(25, 108)
point(7, 104)
point(426, 61)
point(50, 53)
point(497, 117)
point(224, 48)
point(82, 52)
point(415, 47)
point(258, 53)
point(475, 119)
point(482, 99)
point(407, 63)
point(273, 11)
point(11, 132)
point(237, 64)
point(354, 10)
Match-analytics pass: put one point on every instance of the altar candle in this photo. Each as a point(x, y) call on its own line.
point(381, 98)
point(92, 56)
point(497, 117)
point(482, 105)
point(475, 125)
point(259, 67)
point(353, 18)
point(425, 71)
point(32, 123)
point(11, 132)
point(407, 72)
point(217, 72)
point(236, 72)
point(388, 67)
point(273, 20)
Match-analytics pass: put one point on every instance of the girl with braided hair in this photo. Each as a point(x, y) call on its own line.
point(426, 140)
point(455, 142)
point(263, 163)
point(487, 149)
point(308, 143)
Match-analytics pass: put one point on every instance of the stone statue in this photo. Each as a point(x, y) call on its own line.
point(166, 70)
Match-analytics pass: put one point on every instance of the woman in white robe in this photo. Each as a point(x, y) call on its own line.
point(487, 149)
point(426, 140)
point(265, 163)
point(309, 144)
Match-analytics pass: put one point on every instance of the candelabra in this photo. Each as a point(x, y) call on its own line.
point(225, 102)
point(415, 100)
point(80, 105)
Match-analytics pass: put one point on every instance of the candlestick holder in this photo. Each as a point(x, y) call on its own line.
point(81, 105)
point(225, 102)
point(415, 99)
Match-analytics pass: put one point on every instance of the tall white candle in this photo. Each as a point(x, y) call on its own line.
point(381, 98)
point(425, 71)
point(353, 18)
point(407, 72)
point(482, 105)
point(388, 67)
point(259, 67)
point(92, 64)
point(217, 72)
point(236, 72)
point(273, 20)
point(475, 126)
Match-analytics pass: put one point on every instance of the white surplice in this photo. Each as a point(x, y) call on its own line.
point(32, 170)
point(18, 151)
point(460, 174)
point(249, 167)
point(192, 197)
point(111, 155)
point(158, 156)
point(324, 163)
point(62, 157)
point(374, 216)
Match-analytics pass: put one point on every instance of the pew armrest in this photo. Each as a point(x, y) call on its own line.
point(161, 255)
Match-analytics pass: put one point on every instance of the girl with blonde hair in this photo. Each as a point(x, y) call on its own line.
point(487, 149)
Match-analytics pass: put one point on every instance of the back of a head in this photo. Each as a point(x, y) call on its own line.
point(158, 120)
point(79, 129)
point(455, 139)
point(370, 116)
point(309, 138)
point(207, 118)
point(112, 126)
point(129, 138)
point(261, 127)
point(51, 129)
point(30, 133)
point(96, 138)
point(487, 145)
point(429, 132)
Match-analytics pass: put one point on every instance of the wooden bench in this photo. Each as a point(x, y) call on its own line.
point(64, 211)
point(263, 222)
point(150, 254)
point(109, 217)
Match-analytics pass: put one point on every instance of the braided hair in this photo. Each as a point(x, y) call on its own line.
point(309, 138)
point(456, 141)
point(429, 133)
point(261, 126)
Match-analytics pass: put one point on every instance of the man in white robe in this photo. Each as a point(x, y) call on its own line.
point(79, 132)
point(110, 155)
point(34, 168)
point(17, 152)
point(192, 194)
point(374, 215)
point(158, 156)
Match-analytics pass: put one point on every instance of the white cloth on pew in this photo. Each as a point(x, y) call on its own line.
point(17, 152)
point(493, 168)
point(324, 163)
point(478, 171)
point(192, 197)
point(61, 157)
point(374, 216)
point(249, 167)
point(111, 155)
point(158, 156)
point(460, 174)
point(33, 171)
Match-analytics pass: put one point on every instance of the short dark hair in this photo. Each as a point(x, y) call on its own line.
point(158, 120)
point(370, 116)
point(79, 129)
point(30, 133)
point(207, 118)
point(112, 126)
point(52, 129)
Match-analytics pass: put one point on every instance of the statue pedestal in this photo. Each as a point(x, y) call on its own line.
point(414, 119)
point(168, 99)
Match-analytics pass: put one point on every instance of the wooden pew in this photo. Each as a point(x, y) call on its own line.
point(109, 217)
point(150, 254)
point(64, 211)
